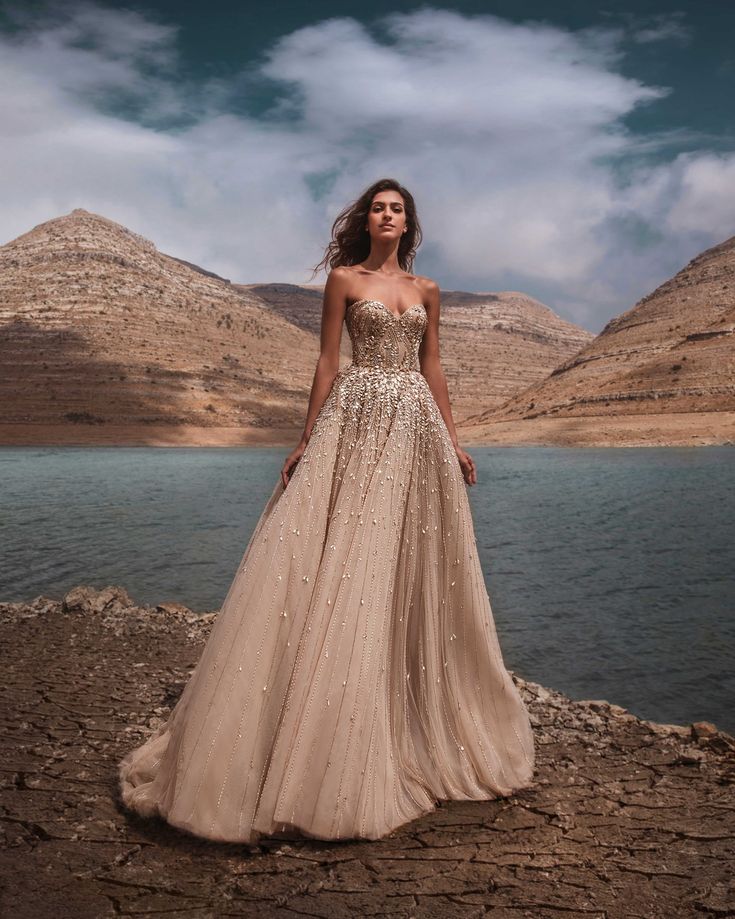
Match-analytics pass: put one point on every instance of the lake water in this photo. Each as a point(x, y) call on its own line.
point(611, 572)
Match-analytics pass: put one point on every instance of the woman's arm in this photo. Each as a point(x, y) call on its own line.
point(430, 361)
point(327, 366)
point(432, 370)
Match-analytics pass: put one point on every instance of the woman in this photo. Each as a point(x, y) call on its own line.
point(353, 676)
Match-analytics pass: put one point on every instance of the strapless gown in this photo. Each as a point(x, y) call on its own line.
point(353, 675)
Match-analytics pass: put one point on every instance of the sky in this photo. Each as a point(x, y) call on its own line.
point(580, 152)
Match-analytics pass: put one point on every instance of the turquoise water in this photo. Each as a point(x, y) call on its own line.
point(611, 572)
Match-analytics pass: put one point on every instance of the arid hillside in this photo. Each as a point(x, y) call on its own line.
point(104, 339)
point(673, 352)
point(102, 333)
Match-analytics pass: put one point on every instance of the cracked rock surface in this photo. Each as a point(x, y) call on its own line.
point(628, 818)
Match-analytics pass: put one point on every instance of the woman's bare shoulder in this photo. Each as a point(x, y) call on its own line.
point(341, 271)
point(338, 279)
point(428, 286)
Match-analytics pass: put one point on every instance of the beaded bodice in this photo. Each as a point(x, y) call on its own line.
point(382, 339)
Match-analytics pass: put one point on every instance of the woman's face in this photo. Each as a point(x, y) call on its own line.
point(387, 216)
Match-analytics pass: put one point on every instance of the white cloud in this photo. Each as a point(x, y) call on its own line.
point(510, 137)
point(659, 27)
point(702, 201)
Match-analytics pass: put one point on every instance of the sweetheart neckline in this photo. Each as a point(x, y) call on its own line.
point(397, 317)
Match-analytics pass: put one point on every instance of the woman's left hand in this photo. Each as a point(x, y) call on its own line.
point(468, 466)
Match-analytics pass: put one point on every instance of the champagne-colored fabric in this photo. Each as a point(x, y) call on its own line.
point(353, 675)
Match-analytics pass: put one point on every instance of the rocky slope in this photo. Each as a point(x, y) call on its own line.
point(492, 344)
point(673, 352)
point(99, 328)
point(104, 339)
point(627, 819)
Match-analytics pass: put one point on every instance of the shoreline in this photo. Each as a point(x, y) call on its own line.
point(689, 429)
point(626, 817)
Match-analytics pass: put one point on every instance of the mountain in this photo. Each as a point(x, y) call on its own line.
point(492, 344)
point(101, 334)
point(298, 304)
point(105, 339)
point(673, 352)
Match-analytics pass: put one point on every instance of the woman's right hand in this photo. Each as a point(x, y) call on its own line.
point(290, 462)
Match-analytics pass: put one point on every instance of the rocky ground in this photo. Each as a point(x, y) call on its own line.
point(627, 818)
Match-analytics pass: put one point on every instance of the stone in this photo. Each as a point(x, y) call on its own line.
point(703, 730)
point(90, 599)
